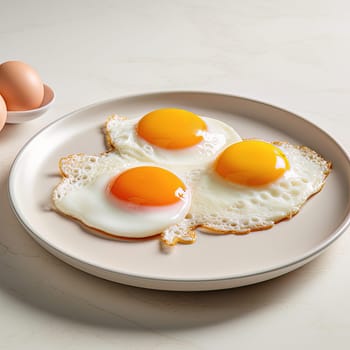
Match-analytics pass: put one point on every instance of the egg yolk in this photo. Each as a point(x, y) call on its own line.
point(251, 163)
point(147, 185)
point(171, 128)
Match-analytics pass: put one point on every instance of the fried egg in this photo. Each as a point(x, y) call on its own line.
point(128, 199)
point(169, 136)
point(172, 172)
point(251, 186)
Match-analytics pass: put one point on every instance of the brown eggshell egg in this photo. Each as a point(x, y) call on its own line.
point(3, 113)
point(20, 86)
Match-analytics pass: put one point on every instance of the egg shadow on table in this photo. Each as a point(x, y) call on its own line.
point(39, 281)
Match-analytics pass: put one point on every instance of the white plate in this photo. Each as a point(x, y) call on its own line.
point(213, 262)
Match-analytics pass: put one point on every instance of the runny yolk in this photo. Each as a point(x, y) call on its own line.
point(251, 163)
point(171, 128)
point(147, 185)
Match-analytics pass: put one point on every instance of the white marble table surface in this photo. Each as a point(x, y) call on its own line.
point(292, 54)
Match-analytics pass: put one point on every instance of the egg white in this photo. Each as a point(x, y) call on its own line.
point(122, 136)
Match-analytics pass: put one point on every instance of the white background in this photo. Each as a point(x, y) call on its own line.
point(292, 54)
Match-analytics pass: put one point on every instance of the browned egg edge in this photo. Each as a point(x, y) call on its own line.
point(108, 140)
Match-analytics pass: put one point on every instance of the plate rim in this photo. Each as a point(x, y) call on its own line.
point(298, 261)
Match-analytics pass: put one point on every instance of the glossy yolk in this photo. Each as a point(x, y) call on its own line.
point(251, 163)
point(171, 128)
point(147, 185)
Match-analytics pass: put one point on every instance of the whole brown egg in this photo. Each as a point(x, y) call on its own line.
point(20, 86)
point(3, 113)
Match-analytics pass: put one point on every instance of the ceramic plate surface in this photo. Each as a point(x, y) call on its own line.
point(213, 262)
